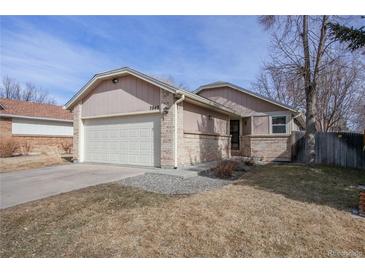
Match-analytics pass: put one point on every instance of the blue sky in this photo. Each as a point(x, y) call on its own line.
point(61, 53)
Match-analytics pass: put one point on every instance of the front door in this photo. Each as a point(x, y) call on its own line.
point(235, 132)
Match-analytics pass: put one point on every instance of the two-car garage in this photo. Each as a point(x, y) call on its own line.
point(132, 140)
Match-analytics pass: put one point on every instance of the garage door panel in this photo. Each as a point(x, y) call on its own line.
point(133, 146)
point(133, 159)
point(114, 158)
point(123, 146)
point(123, 158)
point(145, 132)
point(112, 146)
point(146, 146)
point(122, 140)
point(133, 132)
point(124, 133)
point(143, 159)
point(114, 133)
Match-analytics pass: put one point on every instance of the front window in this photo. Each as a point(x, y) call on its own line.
point(278, 124)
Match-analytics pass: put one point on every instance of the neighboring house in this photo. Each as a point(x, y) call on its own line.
point(44, 127)
point(126, 117)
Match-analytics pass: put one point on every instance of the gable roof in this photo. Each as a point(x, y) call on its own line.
point(17, 108)
point(116, 73)
point(128, 71)
point(238, 88)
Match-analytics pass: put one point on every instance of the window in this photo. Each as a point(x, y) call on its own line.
point(278, 124)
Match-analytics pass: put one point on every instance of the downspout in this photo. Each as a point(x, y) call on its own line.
point(182, 98)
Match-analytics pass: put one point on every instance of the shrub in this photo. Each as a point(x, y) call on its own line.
point(225, 169)
point(250, 162)
point(67, 147)
point(7, 147)
point(253, 161)
point(26, 148)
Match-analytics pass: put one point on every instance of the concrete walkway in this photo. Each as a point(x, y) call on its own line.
point(27, 185)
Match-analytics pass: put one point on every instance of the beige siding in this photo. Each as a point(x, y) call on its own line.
point(130, 94)
point(261, 125)
point(243, 103)
point(202, 120)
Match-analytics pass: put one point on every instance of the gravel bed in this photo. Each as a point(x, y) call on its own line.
point(169, 184)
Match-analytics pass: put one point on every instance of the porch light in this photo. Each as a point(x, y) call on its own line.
point(115, 80)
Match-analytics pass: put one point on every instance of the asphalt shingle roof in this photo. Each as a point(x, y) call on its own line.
point(30, 109)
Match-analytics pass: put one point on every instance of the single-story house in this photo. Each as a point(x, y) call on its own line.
point(43, 127)
point(126, 117)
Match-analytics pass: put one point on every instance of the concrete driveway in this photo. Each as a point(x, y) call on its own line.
point(27, 185)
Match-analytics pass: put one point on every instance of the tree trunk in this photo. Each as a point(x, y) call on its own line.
point(309, 87)
point(310, 142)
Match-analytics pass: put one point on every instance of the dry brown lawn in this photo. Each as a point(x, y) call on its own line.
point(27, 162)
point(274, 211)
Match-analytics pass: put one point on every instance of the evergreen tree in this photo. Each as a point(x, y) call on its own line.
point(355, 37)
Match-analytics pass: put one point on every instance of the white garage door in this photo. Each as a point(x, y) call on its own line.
point(133, 140)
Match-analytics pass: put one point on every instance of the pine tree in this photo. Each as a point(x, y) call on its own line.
point(355, 37)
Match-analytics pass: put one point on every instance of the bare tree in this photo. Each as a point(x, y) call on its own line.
point(339, 87)
point(358, 119)
point(300, 45)
point(283, 87)
point(11, 89)
point(168, 79)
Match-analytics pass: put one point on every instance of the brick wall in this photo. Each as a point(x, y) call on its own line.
point(268, 148)
point(203, 147)
point(5, 127)
point(180, 132)
point(246, 146)
point(167, 129)
point(76, 116)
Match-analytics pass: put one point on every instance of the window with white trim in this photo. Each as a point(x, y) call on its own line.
point(278, 124)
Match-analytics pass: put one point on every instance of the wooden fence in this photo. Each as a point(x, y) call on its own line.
point(345, 149)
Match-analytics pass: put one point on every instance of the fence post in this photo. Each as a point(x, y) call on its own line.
point(363, 150)
point(292, 145)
